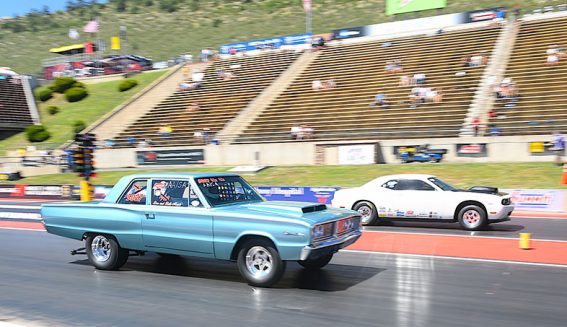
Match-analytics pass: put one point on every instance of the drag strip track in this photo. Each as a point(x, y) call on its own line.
point(41, 282)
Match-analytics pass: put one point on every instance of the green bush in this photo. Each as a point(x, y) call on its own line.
point(78, 126)
point(75, 94)
point(37, 133)
point(44, 94)
point(53, 110)
point(127, 84)
point(62, 84)
point(79, 84)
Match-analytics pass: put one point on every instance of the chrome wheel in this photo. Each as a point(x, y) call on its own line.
point(259, 262)
point(366, 213)
point(101, 248)
point(472, 218)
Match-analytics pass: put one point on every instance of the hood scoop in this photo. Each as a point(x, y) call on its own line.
point(313, 208)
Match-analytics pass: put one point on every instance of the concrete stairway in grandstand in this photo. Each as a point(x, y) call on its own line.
point(113, 123)
point(237, 125)
point(542, 104)
point(17, 104)
point(343, 113)
point(220, 100)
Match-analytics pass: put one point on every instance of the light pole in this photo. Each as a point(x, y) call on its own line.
point(308, 16)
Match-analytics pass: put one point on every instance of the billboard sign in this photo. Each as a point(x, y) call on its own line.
point(301, 194)
point(537, 199)
point(273, 42)
point(348, 33)
point(170, 157)
point(394, 7)
point(484, 15)
point(474, 150)
point(361, 154)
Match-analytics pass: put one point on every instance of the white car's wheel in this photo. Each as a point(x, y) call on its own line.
point(472, 217)
point(367, 211)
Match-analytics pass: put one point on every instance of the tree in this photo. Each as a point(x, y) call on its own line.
point(71, 5)
point(121, 5)
point(45, 10)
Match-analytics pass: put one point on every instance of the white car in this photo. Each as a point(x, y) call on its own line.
point(424, 198)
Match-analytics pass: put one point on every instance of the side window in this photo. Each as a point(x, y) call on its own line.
point(136, 193)
point(391, 185)
point(414, 185)
point(170, 193)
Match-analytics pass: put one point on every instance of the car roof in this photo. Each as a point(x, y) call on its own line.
point(179, 175)
point(407, 176)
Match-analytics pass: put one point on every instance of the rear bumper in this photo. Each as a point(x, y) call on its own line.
point(332, 246)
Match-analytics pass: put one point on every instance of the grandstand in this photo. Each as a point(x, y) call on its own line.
point(17, 106)
point(220, 100)
point(344, 113)
point(542, 106)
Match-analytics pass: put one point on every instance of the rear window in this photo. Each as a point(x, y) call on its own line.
point(136, 193)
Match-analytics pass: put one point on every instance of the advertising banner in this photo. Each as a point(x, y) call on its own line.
point(360, 154)
point(474, 150)
point(537, 199)
point(484, 15)
point(170, 157)
point(20, 191)
point(301, 194)
point(394, 7)
point(348, 33)
point(274, 42)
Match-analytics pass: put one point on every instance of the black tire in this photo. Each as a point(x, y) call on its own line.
point(472, 217)
point(104, 252)
point(368, 211)
point(318, 263)
point(258, 273)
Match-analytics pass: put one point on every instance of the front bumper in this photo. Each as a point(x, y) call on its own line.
point(329, 247)
point(502, 215)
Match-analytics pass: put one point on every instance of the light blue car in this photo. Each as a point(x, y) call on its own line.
point(215, 215)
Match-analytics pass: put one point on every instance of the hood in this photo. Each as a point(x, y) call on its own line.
point(312, 213)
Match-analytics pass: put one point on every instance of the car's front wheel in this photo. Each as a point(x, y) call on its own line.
point(104, 252)
point(260, 263)
point(318, 263)
point(472, 217)
point(367, 211)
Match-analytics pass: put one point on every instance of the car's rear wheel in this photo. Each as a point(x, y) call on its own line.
point(260, 263)
point(318, 263)
point(367, 211)
point(472, 217)
point(104, 252)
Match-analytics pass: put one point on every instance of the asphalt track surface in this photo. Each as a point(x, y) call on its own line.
point(42, 284)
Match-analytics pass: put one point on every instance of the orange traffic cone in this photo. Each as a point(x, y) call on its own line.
point(564, 175)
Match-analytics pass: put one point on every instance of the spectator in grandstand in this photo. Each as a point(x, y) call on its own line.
point(419, 78)
point(188, 86)
point(145, 143)
point(476, 125)
point(232, 51)
point(558, 146)
point(316, 85)
point(380, 100)
point(131, 140)
point(206, 134)
point(387, 44)
point(467, 61)
point(206, 54)
point(109, 143)
point(494, 130)
point(198, 136)
point(295, 131)
point(318, 43)
point(185, 71)
point(492, 114)
point(329, 84)
point(438, 98)
point(225, 75)
point(394, 67)
point(306, 132)
point(165, 130)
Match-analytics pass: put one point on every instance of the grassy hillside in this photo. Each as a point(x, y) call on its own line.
point(502, 175)
point(155, 32)
point(103, 97)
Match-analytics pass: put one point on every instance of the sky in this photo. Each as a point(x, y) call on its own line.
point(10, 7)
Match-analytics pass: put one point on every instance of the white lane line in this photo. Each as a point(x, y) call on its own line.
point(457, 235)
point(459, 258)
point(23, 228)
point(9, 206)
point(20, 215)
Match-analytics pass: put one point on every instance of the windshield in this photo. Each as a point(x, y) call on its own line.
point(227, 190)
point(441, 184)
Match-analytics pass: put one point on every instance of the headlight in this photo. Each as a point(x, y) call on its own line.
point(322, 231)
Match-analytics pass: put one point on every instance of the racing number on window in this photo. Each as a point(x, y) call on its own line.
point(136, 193)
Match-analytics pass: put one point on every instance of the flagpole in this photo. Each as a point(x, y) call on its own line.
point(308, 16)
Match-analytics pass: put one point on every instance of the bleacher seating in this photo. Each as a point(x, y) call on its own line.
point(344, 113)
point(542, 105)
point(14, 108)
point(220, 100)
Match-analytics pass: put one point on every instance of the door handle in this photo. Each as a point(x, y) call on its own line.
point(150, 215)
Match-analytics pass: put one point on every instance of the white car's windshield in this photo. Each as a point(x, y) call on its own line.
point(442, 185)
